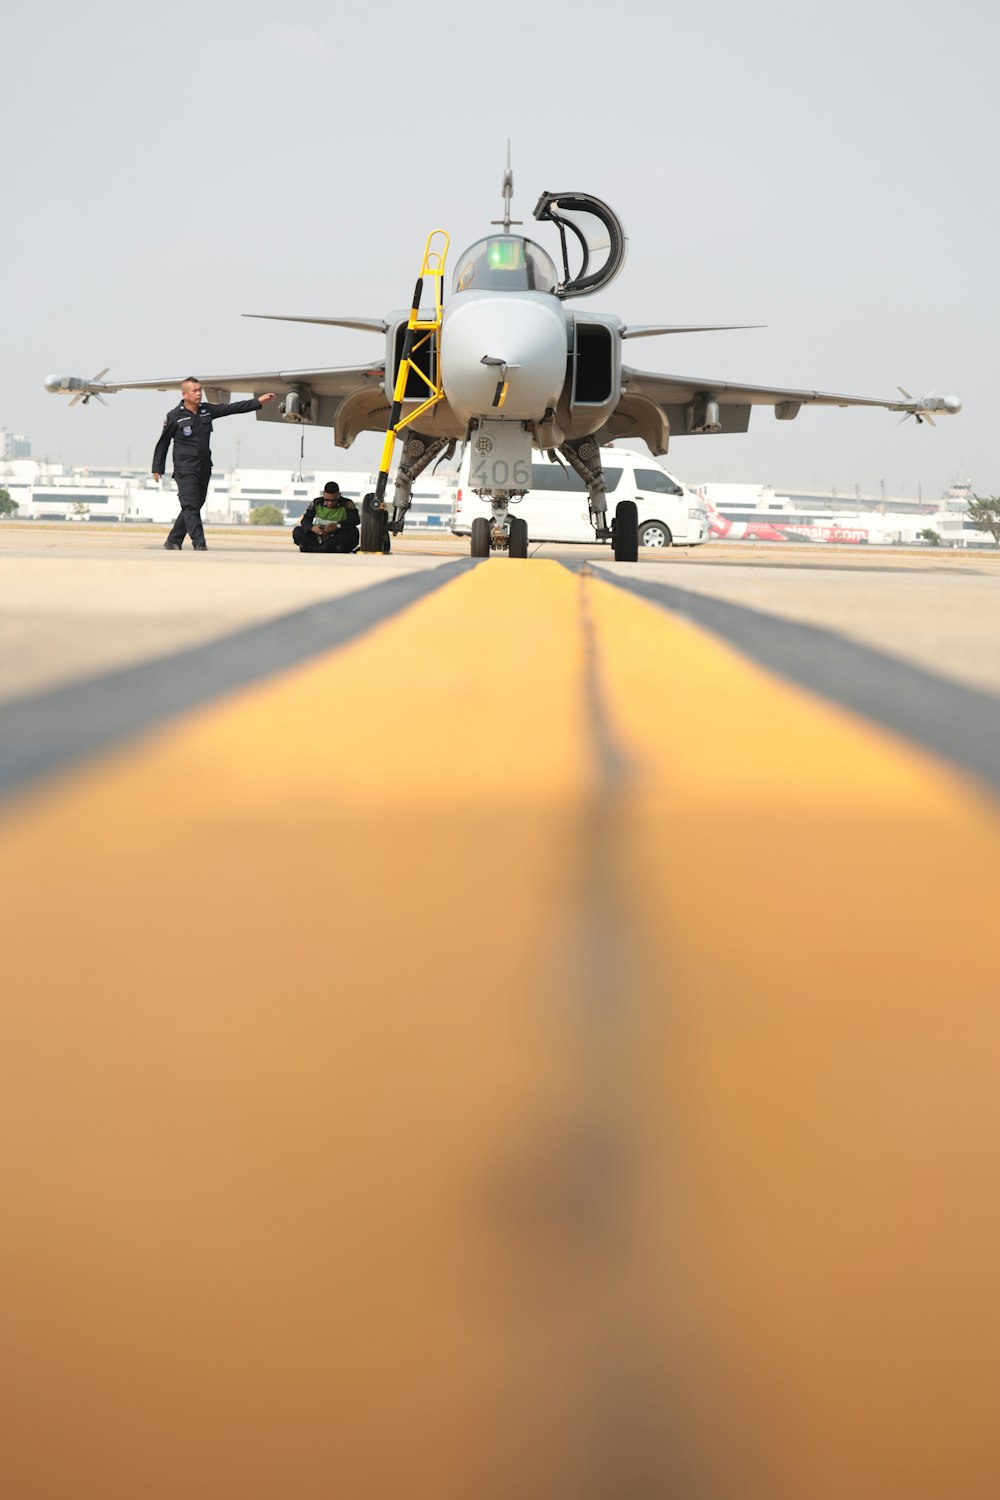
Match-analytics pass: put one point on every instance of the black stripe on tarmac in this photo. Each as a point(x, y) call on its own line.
point(960, 723)
point(51, 730)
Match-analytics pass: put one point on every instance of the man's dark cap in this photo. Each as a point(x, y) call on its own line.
point(331, 487)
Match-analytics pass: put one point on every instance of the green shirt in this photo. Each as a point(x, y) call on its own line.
point(329, 515)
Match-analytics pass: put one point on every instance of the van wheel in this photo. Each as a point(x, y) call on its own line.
point(518, 543)
point(655, 534)
point(626, 531)
point(480, 538)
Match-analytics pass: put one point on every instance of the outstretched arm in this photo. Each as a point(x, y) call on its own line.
point(235, 408)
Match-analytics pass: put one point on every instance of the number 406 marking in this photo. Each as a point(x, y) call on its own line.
point(498, 474)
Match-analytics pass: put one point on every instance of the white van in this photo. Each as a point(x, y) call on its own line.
point(556, 510)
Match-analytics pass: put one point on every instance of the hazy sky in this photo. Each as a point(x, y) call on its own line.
point(830, 171)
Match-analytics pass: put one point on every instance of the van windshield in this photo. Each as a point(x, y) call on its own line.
point(553, 477)
point(656, 482)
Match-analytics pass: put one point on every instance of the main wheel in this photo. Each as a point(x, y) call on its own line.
point(480, 538)
point(655, 534)
point(626, 533)
point(518, 543)
point(373, 524)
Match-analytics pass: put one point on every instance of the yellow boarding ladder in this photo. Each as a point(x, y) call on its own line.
point(419, 332)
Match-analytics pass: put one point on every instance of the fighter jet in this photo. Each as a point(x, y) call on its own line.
point(506, 365)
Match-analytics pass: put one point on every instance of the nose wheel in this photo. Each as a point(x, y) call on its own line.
point(517, 545)
point(505, 533)
point(480, 539)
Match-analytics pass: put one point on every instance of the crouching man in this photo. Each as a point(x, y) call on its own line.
point(329, 524)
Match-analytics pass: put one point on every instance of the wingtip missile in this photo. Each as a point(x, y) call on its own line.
point(922, 407)
point(62, 385)
point(79, 390)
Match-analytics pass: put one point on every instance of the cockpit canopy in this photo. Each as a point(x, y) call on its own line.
point(594, 233)
point(505, 263)
point(589, 232)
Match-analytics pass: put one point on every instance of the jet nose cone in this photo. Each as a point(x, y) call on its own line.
point(517, 341)
point(952, 403)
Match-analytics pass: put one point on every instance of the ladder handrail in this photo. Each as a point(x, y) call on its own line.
point(432, 265)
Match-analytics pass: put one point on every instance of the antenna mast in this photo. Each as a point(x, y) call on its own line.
point(507, 189)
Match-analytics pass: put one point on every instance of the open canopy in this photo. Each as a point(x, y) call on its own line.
point(588, 229)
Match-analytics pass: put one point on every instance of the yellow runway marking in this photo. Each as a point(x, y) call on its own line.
point(351, 1154)
point(814, 904)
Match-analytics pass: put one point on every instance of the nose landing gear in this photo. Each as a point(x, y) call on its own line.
point(481, 540)
point(517, 545)
point(504, 533)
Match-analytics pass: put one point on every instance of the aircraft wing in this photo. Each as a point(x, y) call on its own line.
point(348, 398)
point(654, 406)
point(338, 381)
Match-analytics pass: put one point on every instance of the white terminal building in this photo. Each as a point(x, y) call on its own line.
point(45, 491)
point(56, 492)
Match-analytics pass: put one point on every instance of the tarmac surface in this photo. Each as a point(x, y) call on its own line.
point(931, 608)
point(502, 1028)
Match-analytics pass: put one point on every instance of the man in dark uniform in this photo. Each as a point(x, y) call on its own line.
point(329, 524)
point(189, 426)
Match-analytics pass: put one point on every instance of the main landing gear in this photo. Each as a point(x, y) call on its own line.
point(374, 527)
point(625, 532)
point(584, 456)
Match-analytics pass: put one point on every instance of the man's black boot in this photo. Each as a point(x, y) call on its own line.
point(169, 546)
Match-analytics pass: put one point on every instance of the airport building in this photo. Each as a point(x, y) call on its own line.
point(758, 511)
point(13, 445)
point(55, 492)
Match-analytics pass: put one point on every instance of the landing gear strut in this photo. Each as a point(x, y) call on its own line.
point(419, 451)
point(584, 456)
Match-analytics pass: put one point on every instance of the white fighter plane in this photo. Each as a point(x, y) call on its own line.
point(507, 365)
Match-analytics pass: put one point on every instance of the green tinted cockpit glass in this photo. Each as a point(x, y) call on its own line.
point(505, 262)
point(505, 255)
